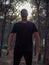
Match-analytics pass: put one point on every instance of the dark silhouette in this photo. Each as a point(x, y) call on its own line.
point(24, 31)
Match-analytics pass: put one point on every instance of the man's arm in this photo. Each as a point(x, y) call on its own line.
point(10, 40)
point(37, 39)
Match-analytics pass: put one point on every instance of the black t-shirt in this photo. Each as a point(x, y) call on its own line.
point(24, 33)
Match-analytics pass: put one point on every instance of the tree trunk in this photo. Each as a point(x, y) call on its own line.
point(3, 30)
point(46, 54)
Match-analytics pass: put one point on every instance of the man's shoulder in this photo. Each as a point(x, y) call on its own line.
point(17, 22)
point(31, 23)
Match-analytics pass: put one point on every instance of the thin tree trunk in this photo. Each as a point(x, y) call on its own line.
point(3, 30)
point(46, 53)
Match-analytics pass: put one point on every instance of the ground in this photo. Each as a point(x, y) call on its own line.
point(8, 59)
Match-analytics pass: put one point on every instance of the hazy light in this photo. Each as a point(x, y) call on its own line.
point(17, 7)
point(13, 14)
point(33, 14)
point(10, 13)
point(6, 2)
point(17, 14)
point(2, 17)
point(26, 6)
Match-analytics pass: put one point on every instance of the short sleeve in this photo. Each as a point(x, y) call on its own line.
point(35, 28)
point(14, 29)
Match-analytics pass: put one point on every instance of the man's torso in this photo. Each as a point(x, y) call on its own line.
point(24, 33)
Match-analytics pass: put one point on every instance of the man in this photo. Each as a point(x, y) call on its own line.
point(24, 31)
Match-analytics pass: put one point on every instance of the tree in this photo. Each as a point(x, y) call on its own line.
point(46, 56)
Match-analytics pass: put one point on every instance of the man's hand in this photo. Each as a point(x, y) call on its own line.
point(38, 51)
point(37, 39)
point(38, 54)
point(9, 50)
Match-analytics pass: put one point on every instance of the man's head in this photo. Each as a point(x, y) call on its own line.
point(24, 13)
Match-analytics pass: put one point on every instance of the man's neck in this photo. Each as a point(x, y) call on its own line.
point(24, 21)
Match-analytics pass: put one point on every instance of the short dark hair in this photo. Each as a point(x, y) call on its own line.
point(24, 13)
